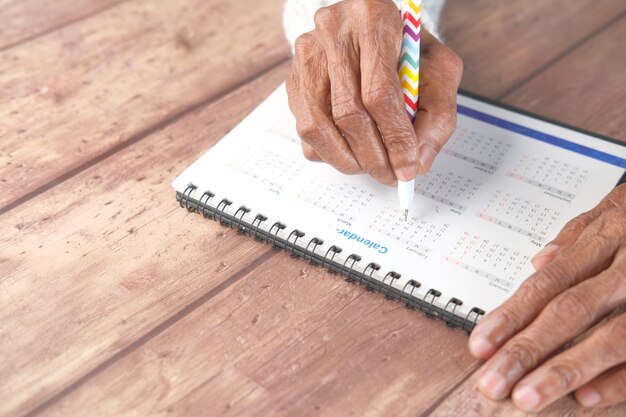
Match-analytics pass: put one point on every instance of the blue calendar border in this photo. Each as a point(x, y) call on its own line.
point(544, 137)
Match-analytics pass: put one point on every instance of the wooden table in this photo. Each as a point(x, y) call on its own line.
point(114, 301)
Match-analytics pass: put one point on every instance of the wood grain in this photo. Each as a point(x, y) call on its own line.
point(466, 401)
point(24, 20)
point(75, 94)
point(502, 43)
point(587, 88)
point(115, 301)
point(299, 342)
point(101, 260)
point(595, 73)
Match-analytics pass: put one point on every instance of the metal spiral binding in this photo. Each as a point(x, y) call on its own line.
point(276, 227)
point(407, 295)
point(204, 202)
point(434, 295)
point(451, 320)
point(298, 234)
point(256, 225)
point(414, 285)
point(394, 276)
point(354, 258)
point(238, 220)
point(372, 267)
point(315, 242)
point(220, 212)
point(184, 201)
point(335, 250)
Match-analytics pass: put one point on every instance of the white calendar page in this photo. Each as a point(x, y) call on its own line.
point(503, 187)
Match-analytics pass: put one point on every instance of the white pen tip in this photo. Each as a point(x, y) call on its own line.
point(406, 215)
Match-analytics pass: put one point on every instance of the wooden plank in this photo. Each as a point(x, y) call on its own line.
point(585, 88)
point(466, 401)
point(114, 322)
point(23, 20)
point(107, 257)
point(595, 71)
point(288, 339)
point(502, 43)
point(93, 87)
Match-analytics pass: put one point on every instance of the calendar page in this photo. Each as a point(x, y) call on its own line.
point(503, 187)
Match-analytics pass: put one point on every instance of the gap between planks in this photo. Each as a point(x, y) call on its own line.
point(52, 29)
point(138, 137)
point(563, 55)
point(157, 330)
point(191, 307)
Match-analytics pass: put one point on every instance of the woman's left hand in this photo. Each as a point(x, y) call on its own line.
point(580, 279)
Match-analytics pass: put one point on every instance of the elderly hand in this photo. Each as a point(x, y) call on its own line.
point(580, 279)
point(345, 93)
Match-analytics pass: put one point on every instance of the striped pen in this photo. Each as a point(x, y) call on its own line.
point(409, 78)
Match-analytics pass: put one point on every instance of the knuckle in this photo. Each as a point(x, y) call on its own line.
point(524, 351)
point(347, 113)
point(572, 303)
point(309, 153)
point(379, 171)
point(612, 338)
point(352, 168)
point(307, 129)
point(304, 44)
point(565, 375)
point(578, 223)
point(400, 142)
point(450, 60)
point(610, 225)
point(551, 278)
point(324, 17)
point(379, 98)
point(506, 315)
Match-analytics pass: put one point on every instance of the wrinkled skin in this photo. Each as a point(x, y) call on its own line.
point(345, 93)
point(346, 96)
point(580, 280)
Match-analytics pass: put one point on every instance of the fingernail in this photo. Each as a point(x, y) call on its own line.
point(481, 348)
point(588, 396)
point(526, 397)
point(492, 384)
point(544, 256)
point(548, 250)
point(427, 156)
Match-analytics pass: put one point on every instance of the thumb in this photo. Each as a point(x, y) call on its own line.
point(435, 121)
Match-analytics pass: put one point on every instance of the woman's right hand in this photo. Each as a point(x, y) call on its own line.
point(345, 93)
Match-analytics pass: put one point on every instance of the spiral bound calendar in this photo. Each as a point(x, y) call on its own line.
point(503, 186)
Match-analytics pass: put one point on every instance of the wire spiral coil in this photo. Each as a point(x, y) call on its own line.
point(426, 303)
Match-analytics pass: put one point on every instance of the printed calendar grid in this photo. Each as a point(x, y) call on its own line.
point(265, 166)
point(342, 200)
point(499, 264)
point(520, 215)
point(420, 234)
point(447, 187)
point(477, 149)
point(547, 173)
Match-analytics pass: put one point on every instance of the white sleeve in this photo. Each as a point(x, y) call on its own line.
point(298, 16)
